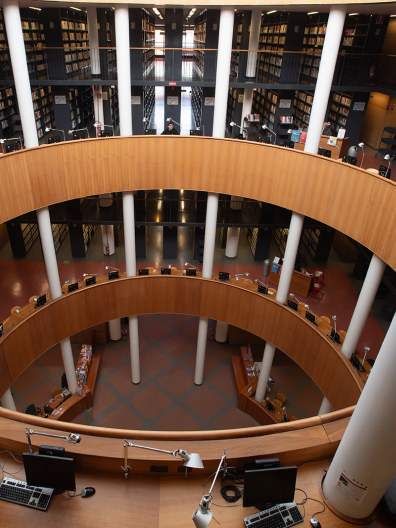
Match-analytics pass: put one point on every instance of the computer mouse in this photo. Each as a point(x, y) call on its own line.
point(315, 523)
point(87, 492)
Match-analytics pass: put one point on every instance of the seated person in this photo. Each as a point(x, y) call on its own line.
point(326, 131)
point(170, 130)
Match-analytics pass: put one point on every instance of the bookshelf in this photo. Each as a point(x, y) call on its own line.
point(318, 242)
point(59, 233)
point(148, 41)
point(81, 106)
point(114, 110)
point(199, 43)
point(264, 103)
point(34, 38)
point(8, 108)
point(302, 108)
point(314, 35)
point(43, 109)
point(280, 235)
point(252, 235)
point(22, 237)
point(356, 31)
point(339, 110)
point(272, 40)
point(236, 45)
point(80, 238)
point(75, 41)
point(5, 63)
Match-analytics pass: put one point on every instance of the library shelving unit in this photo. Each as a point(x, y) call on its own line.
point(111, 53)
point(356, 31)
point(22, 237)
point(318, 242)
point(149, 103)
point(280, 235)
point(237, 39)
point(75, 41)
point(302, 108)
point(8, 108)
point(314, 35)
point(339, 110)
point(251, 235)
point(5, 63)
point(148, 40)
point(59, 233)
point(81, 106)
point(33, 35)
point(196, 104)
point(80, 238)
point(272, 42)
point(264, 103)
point(114, 110)
point(43, 109)
point(199, 43)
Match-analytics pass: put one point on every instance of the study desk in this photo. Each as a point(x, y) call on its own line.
point(147, 501)
point(342, 144)
point(301, 283)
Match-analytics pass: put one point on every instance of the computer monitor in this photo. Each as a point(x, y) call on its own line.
point(41, 300)
point(310, 316)
point(166, 271)
point(349, 159)
point(262, 289)
point(90, 280)
point(72, 287)
point(356, 363)
point(291, 304)
point(270, 407)
point(151, 132)
point(12, 148)
point(288, 143)
point(263, 139)
point(334, 336)
point(264, 488)
point(106, 133)
point(1, 329)
point(324, 152)
point(223, 276)
point(144, 271)
point(191, 272)
point(81, 134)
point(114, 275)
point(50, 472)
point(195, 132)
point(54, 139)
point(384, 171)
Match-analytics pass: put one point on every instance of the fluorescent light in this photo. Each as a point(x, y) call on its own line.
point(35, 8)
point(392, 16)
point(270, 12)
point(313, 13)
point(190, 14)
point(75, 8)
point(353, 14)
point(156, 11)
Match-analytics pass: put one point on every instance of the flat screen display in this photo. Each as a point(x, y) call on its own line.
point(310, 316)
point(349, 159)
point(166, 271)
point(54, 139)
point(334, 336)
point(262, 289)
point(266, 487)
point(41, 300)
point(223, 276)
point(291, 304)
point(72, 287)
point(90, 281)
point(151, 132)
point(191, 272)
point(144, 271)
point(49, 471)
point(114, 275)
point(324, 152)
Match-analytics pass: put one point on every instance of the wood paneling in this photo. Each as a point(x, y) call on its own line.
point(298, 181)
point(253, 312)
point(374, 119)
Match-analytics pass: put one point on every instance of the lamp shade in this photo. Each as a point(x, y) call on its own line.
point(192, 460)
point(201, 520)
point(352, 151)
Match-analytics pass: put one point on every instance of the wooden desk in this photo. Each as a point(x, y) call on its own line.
point(343, 145)
point(301, 284)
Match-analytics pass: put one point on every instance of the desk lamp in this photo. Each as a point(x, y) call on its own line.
point(192, 265)
point(361, 145)
point(192, 460)
point(334, 317)
point(70, 132)
point(203, 516)
point(256, 281)
point(242, 275)
point(170, 120)
point(352, 151)
point(71, 438)
point(48, 129)
point(89, 274)
point(295, 298)
point(110, 267)
point(366, 349)
point(264, 127)
point(147, 120)
point(388, 158)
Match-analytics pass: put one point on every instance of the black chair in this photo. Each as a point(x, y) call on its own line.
point(32, 410)
point(263, 139)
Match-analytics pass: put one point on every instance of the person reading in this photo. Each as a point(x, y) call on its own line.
point(170, 130)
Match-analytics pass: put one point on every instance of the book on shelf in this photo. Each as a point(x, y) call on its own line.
point(303, 136)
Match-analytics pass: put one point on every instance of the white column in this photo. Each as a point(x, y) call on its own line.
point(231, 250)
point(253, 44)
point(115, 329)
point(221, 332)
point(325, 407)
point(47, 243)
point(236, 203)
point(210, 235)
point(68, 364)
point(268, 357)
point(363, 305)
point(367, 451)
point(7, 401)
point(12, 19)
point(247, 105)
point(93, 39)
point(293, 241)
point(121, 18)
point(108, 239)
point(201, 350)
point(328, 61)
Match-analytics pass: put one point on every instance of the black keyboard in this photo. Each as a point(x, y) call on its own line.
point(279, 516)
point(17, 491)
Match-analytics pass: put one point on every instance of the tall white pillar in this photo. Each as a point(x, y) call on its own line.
point(13, 24)
point(328, 61)
point(265, 371)
point(226, 28)
point(293, 241)
point(253, 44)
point(367, 454)
point(363, 305)
point(7, 401)
point(221, 332)
point(93, 39)
point(121, 19)
point(68, 364)
point(231, 249)
point(325, 407)
point(115, 329)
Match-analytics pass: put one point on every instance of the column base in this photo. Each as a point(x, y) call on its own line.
point(198, 384)
point(340, 515)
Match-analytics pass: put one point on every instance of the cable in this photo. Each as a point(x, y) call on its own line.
point(5, 461)
point(231, 498)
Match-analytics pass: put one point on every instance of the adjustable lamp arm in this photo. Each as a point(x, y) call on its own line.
point(71, 438)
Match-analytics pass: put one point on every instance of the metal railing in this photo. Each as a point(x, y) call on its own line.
point(197, 64)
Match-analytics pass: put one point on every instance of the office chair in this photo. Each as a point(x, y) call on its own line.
point(342, 335)
point(56, 391)
point(32, 410)
point(281, 397)
point(277, 402)
point(325, 319)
